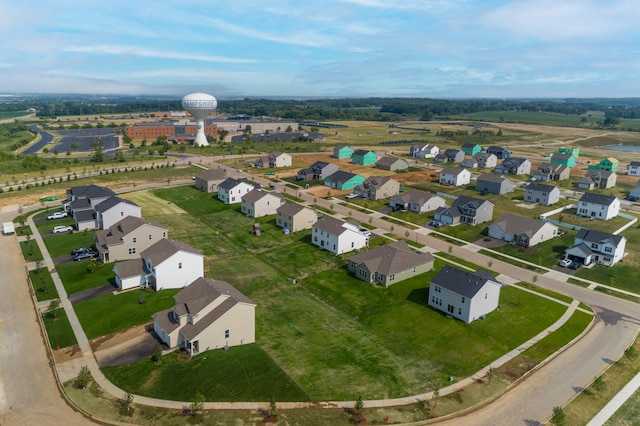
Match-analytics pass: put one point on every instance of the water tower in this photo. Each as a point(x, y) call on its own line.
point(199, 105)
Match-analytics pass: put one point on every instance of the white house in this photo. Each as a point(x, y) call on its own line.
point(417, 201)
point(633, 169)
point(279, 159)
point(424, 151)
point(338, 236)
point(456, 176)
point(598, 206)
point(258, 203)
point(113, 210)
point(166, 264)
point(521, 230)
point(596, 247)
point(208, 314)
point(467, 296)
point(231, 190)
point(542, 194)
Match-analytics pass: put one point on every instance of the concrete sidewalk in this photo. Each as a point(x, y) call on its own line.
point(616, 402)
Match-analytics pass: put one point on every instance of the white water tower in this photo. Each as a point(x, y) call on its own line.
point(199, 105)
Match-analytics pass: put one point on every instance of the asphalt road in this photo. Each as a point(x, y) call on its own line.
point(45, 138)
point(29, 394)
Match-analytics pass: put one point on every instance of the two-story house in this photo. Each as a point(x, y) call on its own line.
point(598, 247)
point(393, 164)
point(597, 179)
point(467, 210)
point(609, 164)
point(514, 166)
point(295, 217)
point(317, 171)
point(633, 169)
point(456, 176)
point(113, 210)
point(471, 149)
point(424, 150)
point(377, 187)
point(259, 203)
point(364, 157)
point(338, 236)
point(486, 160)
point(567, 160)
point(467, 296)
point(598, 206)
point(343, 181)
point(417, 201)
point(231, 190)
point(551, 172)
point(209, 180)
point(450, 156)
point(542, 194)
point(342, 151)
point(127, 238)
point(492, 183)
point(500, 152)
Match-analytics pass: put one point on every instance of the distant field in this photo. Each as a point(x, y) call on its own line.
point(541, 118)
point(12, 114)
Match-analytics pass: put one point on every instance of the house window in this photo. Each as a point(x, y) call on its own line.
point(392, 277)
point(180, 265)
point(134, 239)
point(437, 289)
point(459, 311)
point(352, 244)
point(608, 250)
point(485, 295)
point(463, 299)
point(132, 250)
point(315, 239)
point(226, 334)
point(450, 309)
point(164, 234)
point(121, 213)
point(150, 237)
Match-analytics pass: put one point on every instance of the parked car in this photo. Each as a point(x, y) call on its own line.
point(436, 224)
point(57, 215)
point(365, 231)
point(565, 263)
point(574, 265)
point(352, 195)
point(83, 256)
point(59, 229)
point(79, 250)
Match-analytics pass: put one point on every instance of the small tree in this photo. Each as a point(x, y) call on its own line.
point(53, 307)
point(125, 402)
point(558, 418)
point(83, 379)
point(197, 404)
point(490, 373)
point(631, 353)
point(272, 407)
point(358, 406)
point(599, 384)
point(157, 355)
point(436, 394)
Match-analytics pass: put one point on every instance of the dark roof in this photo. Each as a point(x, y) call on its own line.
point(516, 224)
point(84, 216)
point(492, 177)
point(598, 236)
point(362, 152)
point(330, 225)
point(257, 194)
point(213, 174)
point(540, 187)
point(452, 170)
point(291, 209)
point(464, 283)
point(81, 204)
point(230, 183)
point(469, 145)
point(513, 161)
point(116, 232)
point(392, 258)
point(464, 200)
point(590, 197)
point(165, 248)
point(597, 172)
point(130, 268)
point(496, 148)
point(389, 161)
point(110, 202)
point(560, 156)
point(90, 191)
point(341, 176)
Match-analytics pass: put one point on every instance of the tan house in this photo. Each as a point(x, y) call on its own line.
point(258, 203)
point(209, 180)
point(598, 179)
point(208, 314)
point(377, 188)
point(392, 163)
point(128, 238)
point(295, 217)
point(274, 160)
point(390, 263)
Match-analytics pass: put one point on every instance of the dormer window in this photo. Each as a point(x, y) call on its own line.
point(180, 265)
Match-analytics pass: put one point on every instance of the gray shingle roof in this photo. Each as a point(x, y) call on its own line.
point(230, 183)
point(256, 195)
point(330, 225)
point(112, 202)
point(341, 176)
point(213, 174)
point(492, 177)
point(452, 170)
point(590, 197)
point(291, 209)
point(165, 248)
point(540, 187)
point(84, 216)
point(593, 236)
point(392, 258)
point(464, 283)
point(90, 191)
point(464, 200)
point(516, 224)
point(119, 230)
point(130, 268)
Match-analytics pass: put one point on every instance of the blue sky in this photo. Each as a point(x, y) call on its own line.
point(314, 48)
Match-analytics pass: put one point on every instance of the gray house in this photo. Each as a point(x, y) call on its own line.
point(317, 171)
point(392, 164)
point(416, 201)
point(598, 179)
point(550, 171)
point(468, 210)
point(491, 183)
point(542, 194)
point(467, 296)
point(450, 156)
point(390, 263)
point(500, 152)
point(521, 230)
point(514, 166)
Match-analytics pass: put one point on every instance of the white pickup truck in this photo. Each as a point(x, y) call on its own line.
point(8, 228)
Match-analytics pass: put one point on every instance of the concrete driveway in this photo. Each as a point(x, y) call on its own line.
point(127, 347)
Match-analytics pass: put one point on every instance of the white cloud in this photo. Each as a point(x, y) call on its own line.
point(403, 4)
point(152, 53)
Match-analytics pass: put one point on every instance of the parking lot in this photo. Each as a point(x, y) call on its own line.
point(84, 139)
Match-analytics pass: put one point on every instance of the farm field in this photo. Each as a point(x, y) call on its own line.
point(333, 335)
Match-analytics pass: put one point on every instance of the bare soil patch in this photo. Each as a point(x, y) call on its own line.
point(66, 354)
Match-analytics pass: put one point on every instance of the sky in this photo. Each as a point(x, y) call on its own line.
point(322, 48)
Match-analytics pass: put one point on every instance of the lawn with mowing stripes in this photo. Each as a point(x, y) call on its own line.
point(43, 284)
point(59, 329)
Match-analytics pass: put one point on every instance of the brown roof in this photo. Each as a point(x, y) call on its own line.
point(291, 209)
point(257, 194)
point(130, 268)
point(119, 230)
point(213, 174)
point(164, 249)
point(330, 225)
point(392, 258)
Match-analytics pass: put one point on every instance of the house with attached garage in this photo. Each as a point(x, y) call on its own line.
point(343, 181)
point(456, 176)
point(470, 163)
point(514, 166)
point(596, 247)
point(231, 190)
point(597, 179)
point(450, 156)
point(633, 169)
point(467, 296)
point(342, 151)
point(522, 231)
point(542, 194)
point(91, 194)
point(549, 172)
point(486, 160)
point(392, 163)
point(466, 210)
point(417, 201)
point(113, 210)
point(127, 238)
point(364, 157)
point(471, 149)
point(208, 314)
point(424, 151)
point(209, 180)
point(166, 264)
point(338, 236)
point(295, 217)
point(259, 203)
point(377, 188)
point(500, 152)
point(318, 171)
point(598, 206)
point(492, 183)
point(390, 263)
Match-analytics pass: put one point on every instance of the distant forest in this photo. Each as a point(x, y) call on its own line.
point(377, 109)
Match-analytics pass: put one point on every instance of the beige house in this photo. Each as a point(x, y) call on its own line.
point(128, 238)
point(377, 188)
point(258, 203)
point(390, 263)
point(208, 314)
point(295, 217)
point(209, 180)
point(392, 163)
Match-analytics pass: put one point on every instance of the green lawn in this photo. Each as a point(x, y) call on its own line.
point(110, 313)
point(76, 276)
point(243, 373)
point(629, 413)
point(30, 251)
point(58, 329)
point(61, 244)
point(43, 284)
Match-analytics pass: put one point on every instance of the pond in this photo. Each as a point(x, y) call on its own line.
point(627, 148)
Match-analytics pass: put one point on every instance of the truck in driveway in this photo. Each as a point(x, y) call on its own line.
point(8, 228)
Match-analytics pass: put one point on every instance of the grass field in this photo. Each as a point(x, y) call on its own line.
point(58, 329)
point(333, 335)
point(529, 117)
point(31, 251)
point(43, 284)
point(76, 276)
